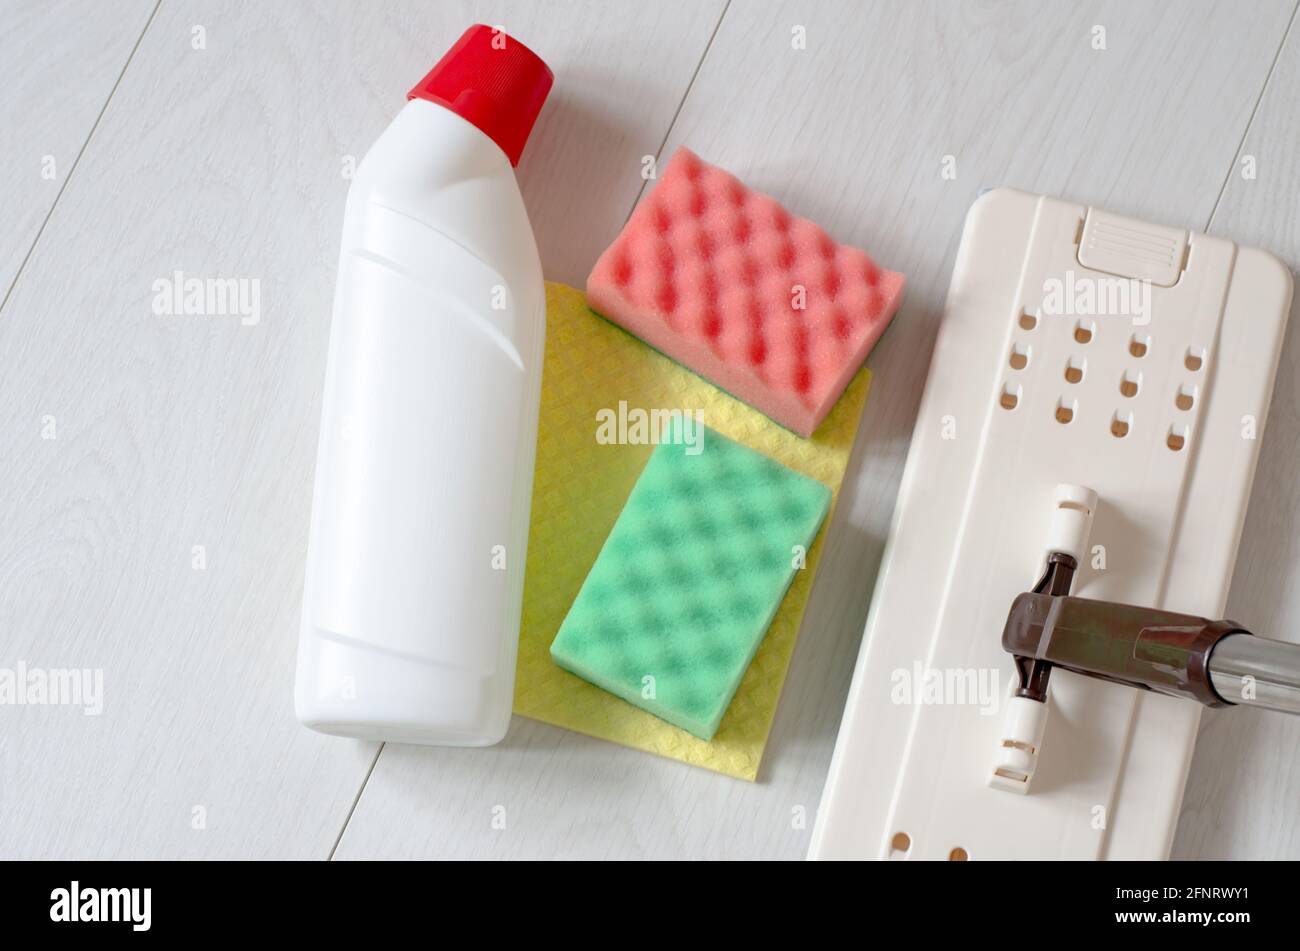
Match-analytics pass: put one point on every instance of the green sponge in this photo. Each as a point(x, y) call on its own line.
point(692, 573)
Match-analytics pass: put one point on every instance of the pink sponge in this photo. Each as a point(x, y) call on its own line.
point(759, 302)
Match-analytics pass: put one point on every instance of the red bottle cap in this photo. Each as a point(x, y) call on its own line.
point(493, 81)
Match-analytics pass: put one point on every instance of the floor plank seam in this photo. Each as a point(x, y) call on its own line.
point(659, 152)
point(355, 800)
point(1263, 90)
point(36, 239)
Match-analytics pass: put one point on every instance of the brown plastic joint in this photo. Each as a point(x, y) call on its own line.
point(1140, 647)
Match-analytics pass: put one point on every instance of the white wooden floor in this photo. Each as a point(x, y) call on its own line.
point(226, 161)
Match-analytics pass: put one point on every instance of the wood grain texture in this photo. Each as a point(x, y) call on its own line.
point(174, 432)
point(1243, 796)
point(852, 132)
point(60, 62)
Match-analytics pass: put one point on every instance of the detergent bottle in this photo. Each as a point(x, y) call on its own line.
point(419, 528)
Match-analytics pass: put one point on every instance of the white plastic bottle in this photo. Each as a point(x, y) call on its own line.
point(424, 472)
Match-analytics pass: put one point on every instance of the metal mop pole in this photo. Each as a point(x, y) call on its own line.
point(1257, 672)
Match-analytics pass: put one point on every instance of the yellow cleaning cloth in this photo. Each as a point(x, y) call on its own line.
point(579, 489)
